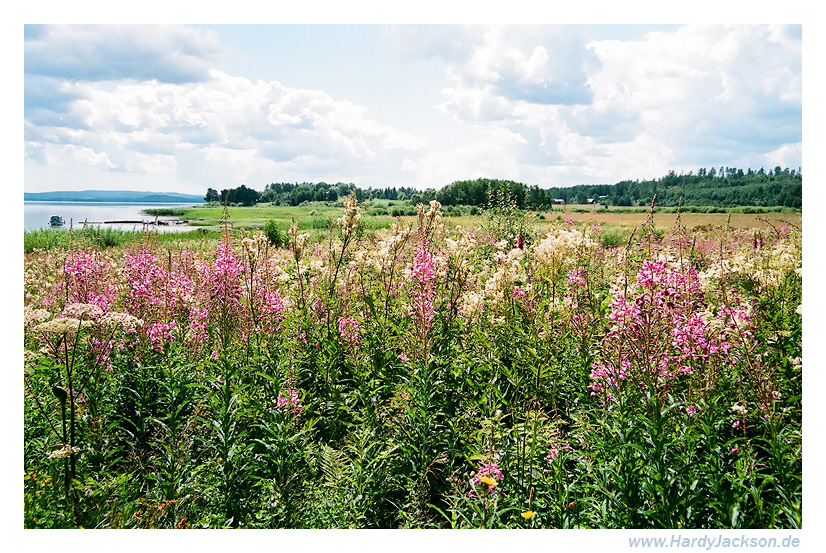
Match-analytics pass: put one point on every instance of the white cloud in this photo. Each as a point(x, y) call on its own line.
point(787, 155)
point(677, 99)
point(89, 156)
point(254, 129)
point(167, 53)
point(409, 165)
point(152, 163)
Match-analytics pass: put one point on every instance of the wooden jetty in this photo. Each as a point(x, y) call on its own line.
point(145, 223)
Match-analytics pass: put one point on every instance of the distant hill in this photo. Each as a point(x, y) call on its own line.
point(118, 196)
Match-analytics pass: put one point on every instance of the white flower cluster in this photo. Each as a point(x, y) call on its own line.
point(510, 270)
point(122, 320)
point(430, 223)
point(63, 452)
point(66, 326)
point(471, 304)
point(560, 249)
point(34, 316)
point(255, 246)
point(464, 244)
point(297, 241)
point(739, 409)
point(769, 267)
point(348, 221)
point(387, 249)
point(83, 311)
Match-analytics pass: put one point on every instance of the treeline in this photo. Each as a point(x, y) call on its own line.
point(287, 193)
point(728, 187)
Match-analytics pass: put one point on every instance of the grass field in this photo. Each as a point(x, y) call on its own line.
point(256, 217)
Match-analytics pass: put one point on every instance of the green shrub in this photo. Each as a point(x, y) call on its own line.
point(276, 236)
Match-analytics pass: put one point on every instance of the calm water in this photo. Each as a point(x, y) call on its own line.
point(36, 215)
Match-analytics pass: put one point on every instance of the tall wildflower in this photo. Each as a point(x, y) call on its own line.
point(488, 475)
point(348, 329)
point(560, 251)
point(146, 280)
point(32, 317)
point(503, 283)
point(224, 291)
point(288, 401)
point(272, 308)
point(347, 222)
point(423, 276)
point(160, 334)
point(430, 222)
point(254, 271)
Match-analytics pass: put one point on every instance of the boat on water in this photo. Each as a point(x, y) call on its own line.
point(56, 221)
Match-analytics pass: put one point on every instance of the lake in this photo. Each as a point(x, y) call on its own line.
point(36, 215)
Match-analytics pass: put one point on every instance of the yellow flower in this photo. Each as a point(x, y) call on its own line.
point(527, 515)
point(488, 480)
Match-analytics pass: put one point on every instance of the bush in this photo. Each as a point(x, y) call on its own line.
point(611, 239)
point(276, 236)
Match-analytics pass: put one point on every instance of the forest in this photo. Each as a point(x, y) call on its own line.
point(726, 187)
point(289, 194)
point(723, 187)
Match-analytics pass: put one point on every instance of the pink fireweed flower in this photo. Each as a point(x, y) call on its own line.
point(319, 310)
point(556, 448)
point(224, 281)
point(146, 283)
point(86, 280)
point(578, 278)
point(609, 374)
point(488, 474)
point(272, 306)
point(424, 289)
point(198, 318)
point(661, 331)
point(160, 332)
point(348, 329)
point(404, 358)
point(288, 402)
point(424, 269)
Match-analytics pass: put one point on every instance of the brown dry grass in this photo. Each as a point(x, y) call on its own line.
point(624, 222)
point(692, 221)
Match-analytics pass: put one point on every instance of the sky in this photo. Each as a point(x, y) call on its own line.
point(186, 107)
